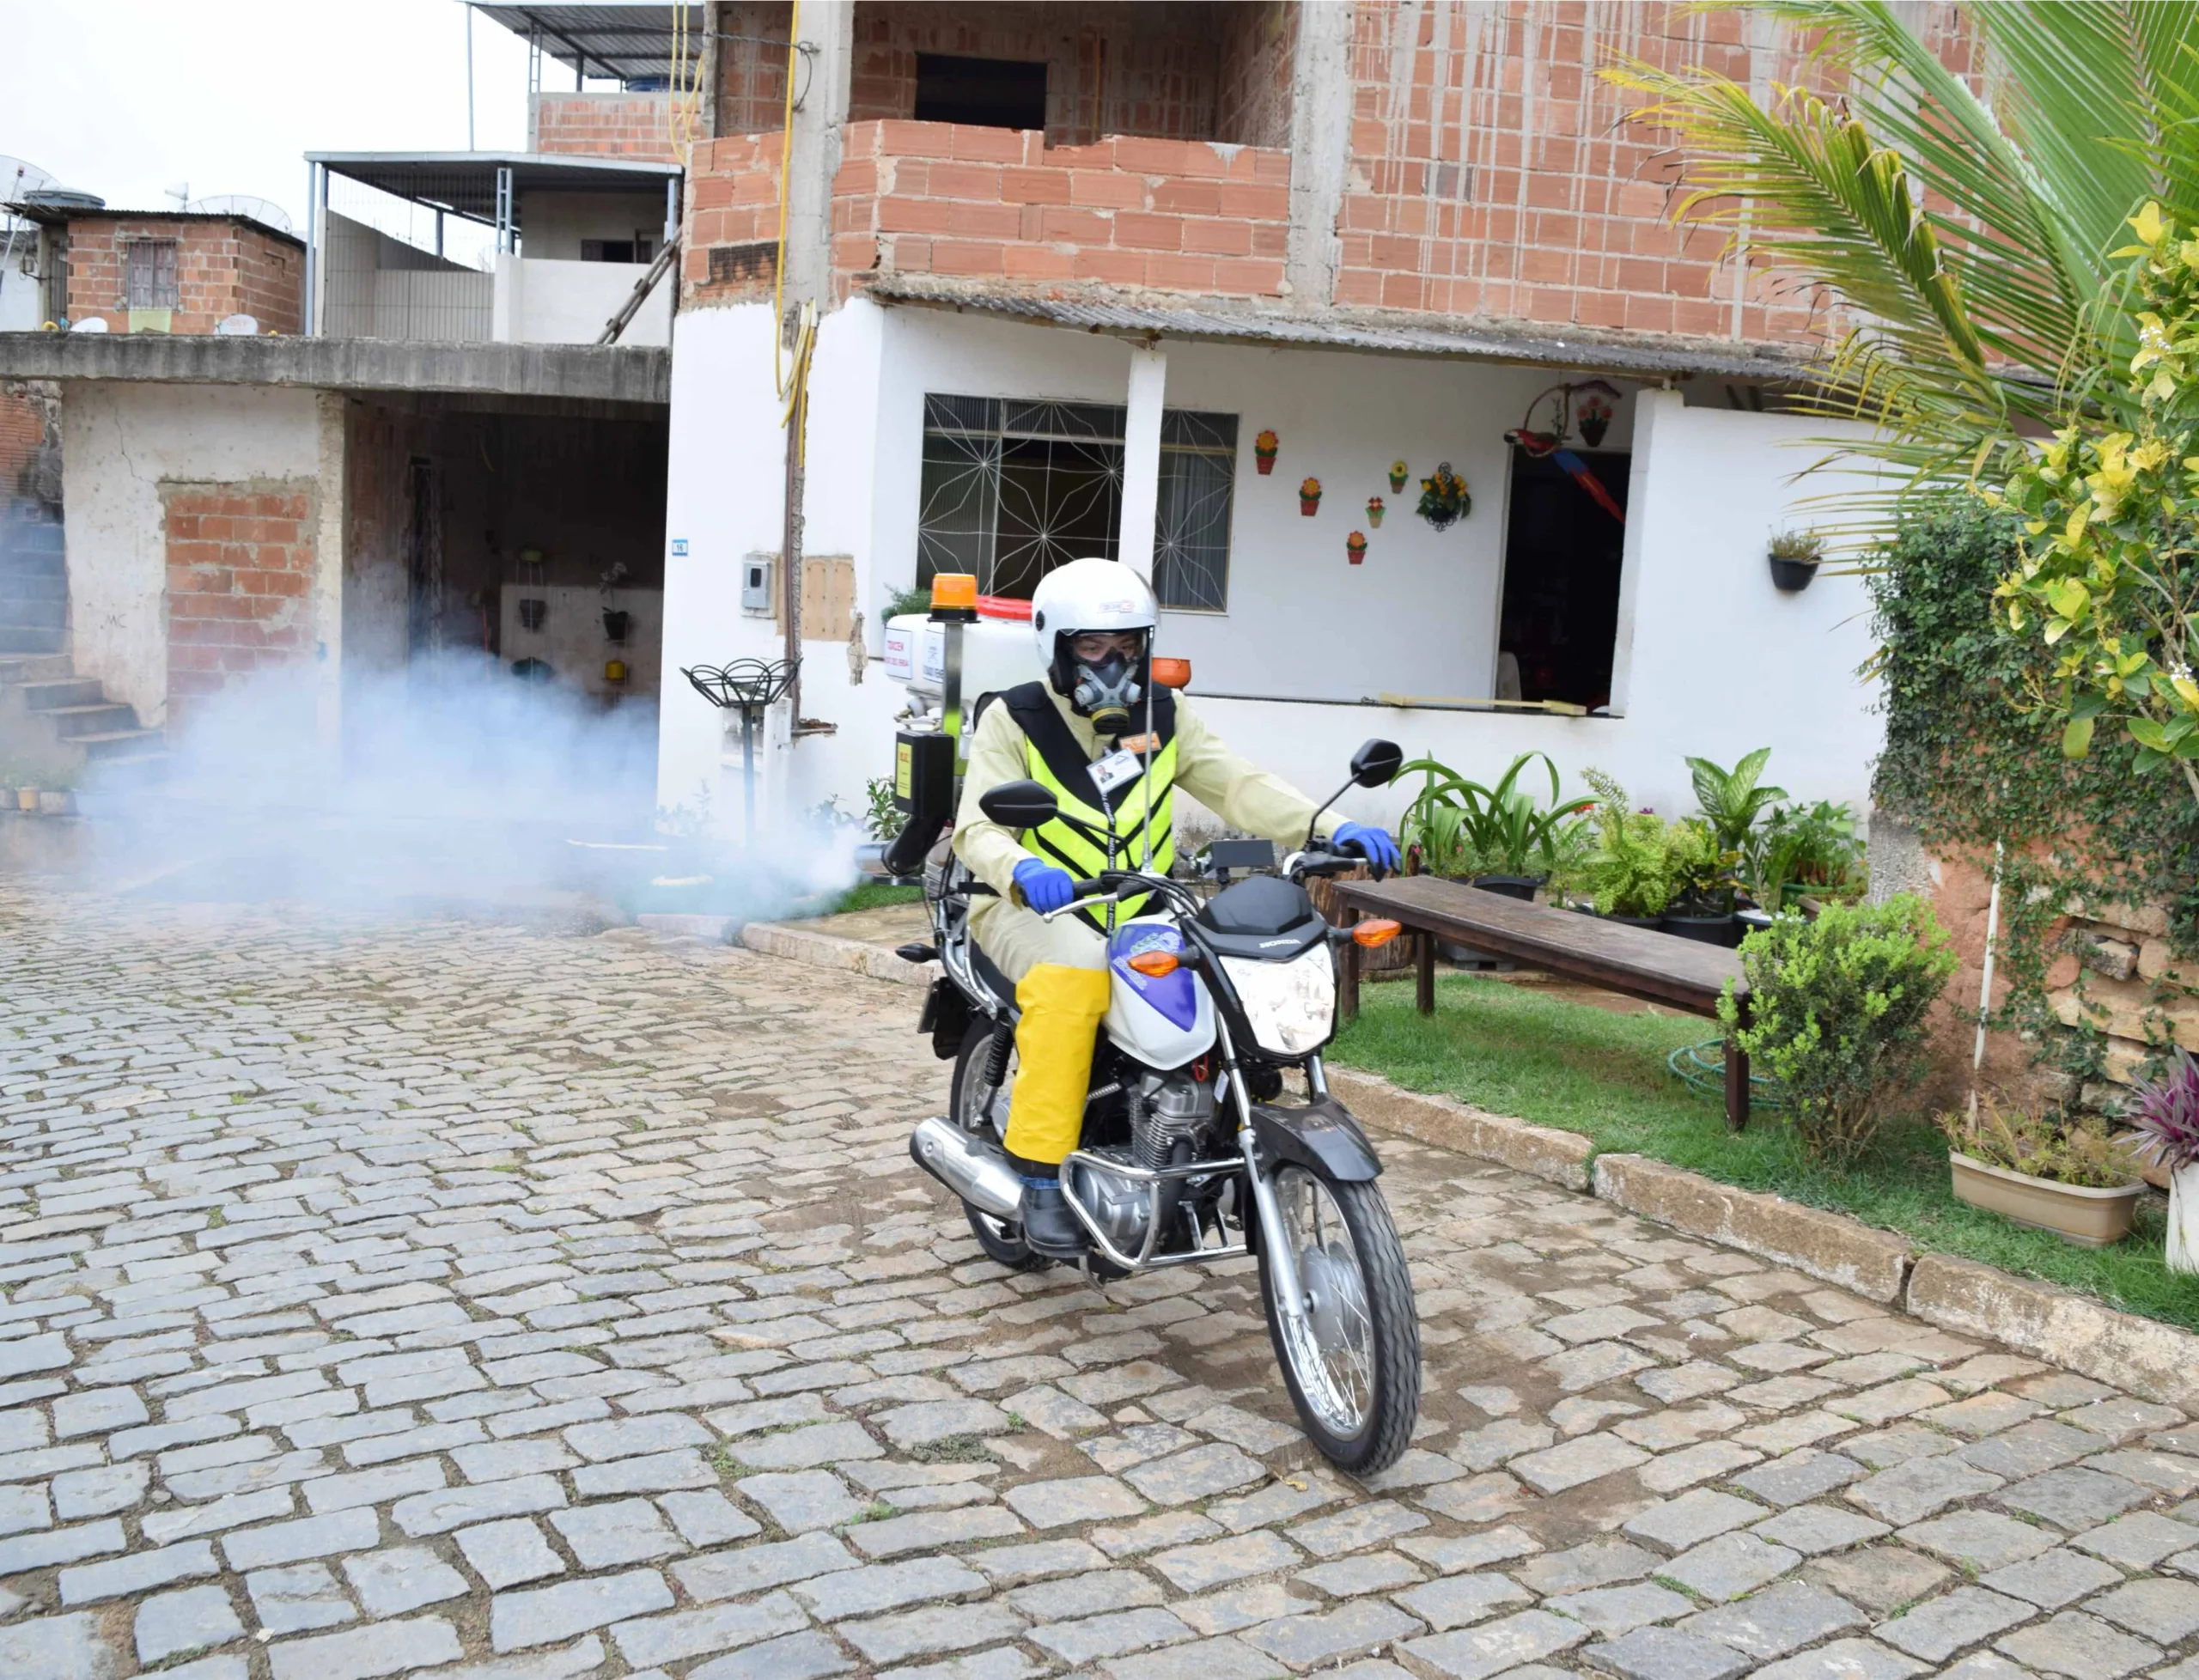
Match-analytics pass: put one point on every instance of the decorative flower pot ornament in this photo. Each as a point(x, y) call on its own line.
point(1264, 448)
point(1375, 509)
point(1444, 500)
point(1593, 418)
point(1398, 473)
point(1309, 497)
point(1355, 547)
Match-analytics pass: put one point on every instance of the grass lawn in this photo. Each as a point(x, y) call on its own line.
point(869, 895)
point(1579, 1068)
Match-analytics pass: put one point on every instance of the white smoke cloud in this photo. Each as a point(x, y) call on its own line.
point(457, 789)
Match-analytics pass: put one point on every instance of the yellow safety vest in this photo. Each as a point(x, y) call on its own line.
point(1144, 807)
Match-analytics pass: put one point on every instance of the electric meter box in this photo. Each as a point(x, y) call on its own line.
point(923, 771)
point(997, 654)
point(756, 572)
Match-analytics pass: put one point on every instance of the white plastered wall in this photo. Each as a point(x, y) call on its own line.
point(121, 443)
point(1711, 659)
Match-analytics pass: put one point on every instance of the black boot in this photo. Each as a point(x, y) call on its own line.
point(1049, 1228)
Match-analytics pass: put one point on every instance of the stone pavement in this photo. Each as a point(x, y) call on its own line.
point(393, 1298)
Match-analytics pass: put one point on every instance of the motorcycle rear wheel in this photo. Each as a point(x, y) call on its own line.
point(1001, 1239)
point(1353, 1374)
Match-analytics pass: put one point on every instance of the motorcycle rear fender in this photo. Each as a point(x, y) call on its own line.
point(946, 1017)
point(1320, 1135)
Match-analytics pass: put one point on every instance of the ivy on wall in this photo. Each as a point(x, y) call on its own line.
point(1969, 762)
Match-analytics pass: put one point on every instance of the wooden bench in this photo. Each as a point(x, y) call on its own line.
point(1639, 962)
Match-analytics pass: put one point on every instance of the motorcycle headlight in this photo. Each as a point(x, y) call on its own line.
point(1290, 1007)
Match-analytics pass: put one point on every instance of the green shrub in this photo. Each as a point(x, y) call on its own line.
point(1837, 1009)
point(1629, 872)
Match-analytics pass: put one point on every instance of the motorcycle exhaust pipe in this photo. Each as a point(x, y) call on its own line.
point(977, 1172)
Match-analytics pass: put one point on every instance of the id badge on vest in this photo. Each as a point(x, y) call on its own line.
point(1118, 769)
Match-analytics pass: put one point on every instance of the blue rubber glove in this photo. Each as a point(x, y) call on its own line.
point(1045, 888)
point(1374, 843)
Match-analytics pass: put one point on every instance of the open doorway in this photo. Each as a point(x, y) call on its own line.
point(1559, 618)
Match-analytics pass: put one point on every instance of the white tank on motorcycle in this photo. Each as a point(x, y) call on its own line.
point(1163, 1020)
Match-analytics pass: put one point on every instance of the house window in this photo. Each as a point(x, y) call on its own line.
point(639, 249)
point(150, 276)
point(1561, 551)
point(986, 93)
point(1012, 490)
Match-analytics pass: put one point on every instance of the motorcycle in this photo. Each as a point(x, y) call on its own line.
point(1189, 1153)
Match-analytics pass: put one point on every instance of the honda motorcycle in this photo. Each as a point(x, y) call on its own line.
point(1190, 1152)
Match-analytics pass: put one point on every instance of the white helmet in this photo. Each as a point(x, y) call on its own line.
point(1084, 596)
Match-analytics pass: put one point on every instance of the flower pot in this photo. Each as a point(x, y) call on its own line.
point(2088, 1218)
point(2184, 1219)
point(1523, 887)
point(1398, 473)
point(616, 621)
point(1705, 929)
point(1374, 512)
point(531, 613)
point(1264, 465)
point(1309, 505)
point(1792, 575)
point(1592, 427)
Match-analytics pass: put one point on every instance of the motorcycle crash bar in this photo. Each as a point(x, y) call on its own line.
point(980, 1175)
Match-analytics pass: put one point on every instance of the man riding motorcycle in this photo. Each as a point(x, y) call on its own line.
point(1083, 732)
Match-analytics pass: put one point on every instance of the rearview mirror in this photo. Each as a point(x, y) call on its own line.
point(1376, 763)
point(1019, 805)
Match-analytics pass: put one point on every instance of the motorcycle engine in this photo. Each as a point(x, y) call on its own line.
point(1118, 1205)
point(1165, 1108)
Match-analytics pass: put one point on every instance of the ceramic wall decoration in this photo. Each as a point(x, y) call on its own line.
point(1309, 497)
point(1443, 499)
point(1264, 448)
point(1593, 418)
point(1375, 509)
point(1398, 473)
point(1355, 547)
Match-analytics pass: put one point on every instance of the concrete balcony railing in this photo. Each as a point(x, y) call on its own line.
point(963, 202)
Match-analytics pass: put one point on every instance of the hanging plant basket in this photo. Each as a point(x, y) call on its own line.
point(617, 621)
point(1443, 499)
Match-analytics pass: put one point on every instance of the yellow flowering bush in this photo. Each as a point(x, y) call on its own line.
point(2108, 572)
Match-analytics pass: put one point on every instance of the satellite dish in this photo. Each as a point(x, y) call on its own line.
point(19, 177)
point(266, 211)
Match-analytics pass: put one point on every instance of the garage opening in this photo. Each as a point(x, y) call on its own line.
point(1559, 619)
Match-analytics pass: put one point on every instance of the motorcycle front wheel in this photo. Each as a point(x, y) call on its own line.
point(1001, 1239)
point(1353, 1363)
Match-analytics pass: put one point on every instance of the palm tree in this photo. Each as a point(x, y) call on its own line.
point(1963, 237)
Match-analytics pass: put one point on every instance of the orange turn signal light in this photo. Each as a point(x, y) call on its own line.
point(1155, 963)
point(1171, 672)
point(954, 590)
point(1379, 931)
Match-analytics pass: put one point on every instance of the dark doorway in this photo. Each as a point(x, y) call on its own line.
point(423, 560)
point(987, 93)
point(1562, 554)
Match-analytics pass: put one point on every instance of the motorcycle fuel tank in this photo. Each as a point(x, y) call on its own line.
point(1164, 1021)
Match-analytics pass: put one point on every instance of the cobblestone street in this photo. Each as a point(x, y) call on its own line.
point(384, 1297)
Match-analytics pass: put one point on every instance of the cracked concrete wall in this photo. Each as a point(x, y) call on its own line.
point(122, 441)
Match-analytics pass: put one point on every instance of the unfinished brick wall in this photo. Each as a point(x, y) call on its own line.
point(951, 199)
point(603, 125)
point(23, 443)
point(240, 583)
point(1259, 43)
point(225, 266)
point(731, 215)
point(1494, 172)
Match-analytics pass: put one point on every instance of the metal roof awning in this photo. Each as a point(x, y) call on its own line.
point(1533, 344)
point(465, 183)
point(627, 42)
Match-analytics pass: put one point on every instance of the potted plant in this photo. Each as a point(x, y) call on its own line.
point(1839, 1013)
point(1593, 416)
point(1795, 556)
point(1398, 473)
point(1704, 889)
point(1263, 450)
point(1309, 497)
point(1628, 872)
point(1804, 851)
point(1497, 837)
point(1375, 509)
point(1732, 801)
point(2164, 1114)
point(1355, 547)
point(2065, 1175)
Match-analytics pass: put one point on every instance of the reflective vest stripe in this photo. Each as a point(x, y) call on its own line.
point(1144, 809)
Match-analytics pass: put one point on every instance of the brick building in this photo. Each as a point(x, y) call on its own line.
point(169, 271)
point(1070, 262)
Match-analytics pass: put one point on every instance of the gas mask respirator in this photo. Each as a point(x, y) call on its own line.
point(1105, 692)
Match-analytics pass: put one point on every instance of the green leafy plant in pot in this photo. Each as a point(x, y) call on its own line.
point(1499, 837)
point(1701, 871)
point(2062, 1173)
point(1628, 872)
point(1804, 851)
point(1837, 1013)
point(1795, 556)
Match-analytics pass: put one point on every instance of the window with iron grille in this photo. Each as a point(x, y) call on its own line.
point(1013, 488)
point(148, 269)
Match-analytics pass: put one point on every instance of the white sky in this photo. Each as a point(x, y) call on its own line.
point(131, 97)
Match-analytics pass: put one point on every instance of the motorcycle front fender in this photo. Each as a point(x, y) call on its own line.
point(1320, 1135)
